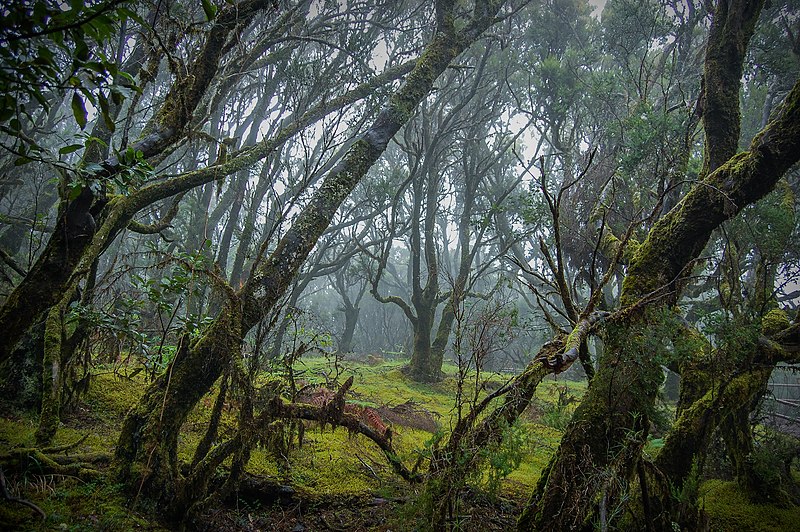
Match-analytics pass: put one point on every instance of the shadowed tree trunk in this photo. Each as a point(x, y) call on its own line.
point(350, 308)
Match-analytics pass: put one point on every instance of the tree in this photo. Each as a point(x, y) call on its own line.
point(609, 426)
point(445, 157)
point(146, 452)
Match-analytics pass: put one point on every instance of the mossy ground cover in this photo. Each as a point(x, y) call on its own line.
point(337, 475)
point(69, 502)
point(729, 508)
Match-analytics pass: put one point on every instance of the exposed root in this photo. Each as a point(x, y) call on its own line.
point(50, 460)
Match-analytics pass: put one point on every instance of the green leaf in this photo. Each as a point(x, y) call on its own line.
point(22, 160)
point(92, 168)
point(69, 149)
point(39, 11)
point(74, 191)
point(88, 95)
point(97, 66)
point(79, 110)
point(82, 53)
point(99, 141)
point(44, 56)
point(7, 109)
point(210, 9)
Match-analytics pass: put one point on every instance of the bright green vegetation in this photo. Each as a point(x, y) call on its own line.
point(385, 385)
point(730, 509)
point(331, 464)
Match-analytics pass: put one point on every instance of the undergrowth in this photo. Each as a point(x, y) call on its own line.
point(331, 465)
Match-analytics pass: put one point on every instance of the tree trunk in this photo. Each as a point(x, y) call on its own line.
point(606, 434)
point(351, 313)
point(424, 366)
point(146, 455)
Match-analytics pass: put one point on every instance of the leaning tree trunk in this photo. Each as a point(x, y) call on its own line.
point(52, 273)
point(602, 443)
point(146, 456)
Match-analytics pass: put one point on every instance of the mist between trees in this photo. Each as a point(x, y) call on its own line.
point(485, 194)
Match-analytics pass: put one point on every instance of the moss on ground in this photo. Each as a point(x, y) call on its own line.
point(330, 465)
point(729, 508)
point(70, 505)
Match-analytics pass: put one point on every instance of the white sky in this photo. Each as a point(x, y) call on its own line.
point(598, 6)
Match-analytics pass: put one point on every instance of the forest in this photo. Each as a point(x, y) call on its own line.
point(394, 265)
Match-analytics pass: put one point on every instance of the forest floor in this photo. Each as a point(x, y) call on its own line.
point(334, 480)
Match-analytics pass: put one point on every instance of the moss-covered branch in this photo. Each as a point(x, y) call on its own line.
point(455, 460)
point(679, 237)
point(731, 29)
point(159, 225)
point(560, 362)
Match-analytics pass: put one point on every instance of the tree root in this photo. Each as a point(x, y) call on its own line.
point(49, 460)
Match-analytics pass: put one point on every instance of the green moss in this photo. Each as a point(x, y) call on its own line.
point(775, 321)
point(113, 395)
point(330, 464)
point(71, 505)
point(730, 509)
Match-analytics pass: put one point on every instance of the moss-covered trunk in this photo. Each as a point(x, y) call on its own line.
point(52, 376)
point(604, 439)
point(461, 455)
point(607, 431)
point(146, 453)
point(44, 285)
point(737, 433)
point(146, 456)
point(729, 398)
